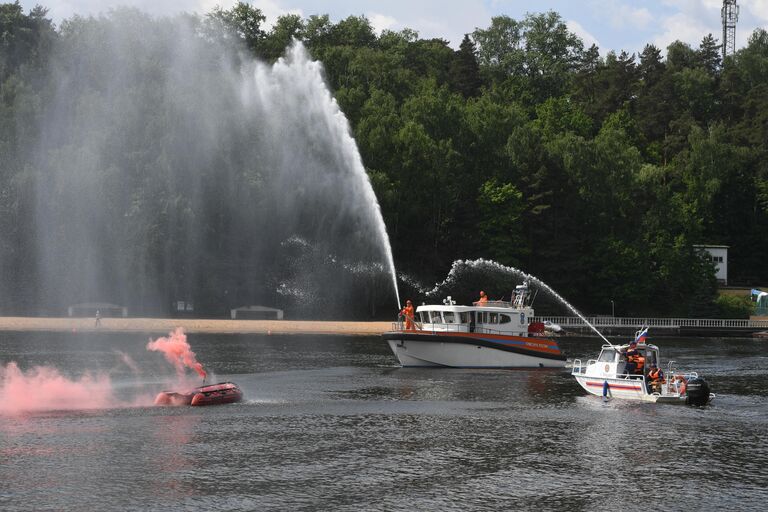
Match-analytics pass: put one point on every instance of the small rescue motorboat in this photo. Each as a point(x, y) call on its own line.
point(612, 375)
point(213, 394)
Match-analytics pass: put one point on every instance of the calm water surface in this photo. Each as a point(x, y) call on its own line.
point(330, 423)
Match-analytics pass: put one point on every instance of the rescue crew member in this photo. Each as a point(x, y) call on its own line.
point(483, 300)
point(640, 363)
point(635, 360)
point(408, 313)
point(680, 383)
point(655, 379)
point(632, 355)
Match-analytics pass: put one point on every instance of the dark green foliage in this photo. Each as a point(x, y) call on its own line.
point(598, 175)
point(465, 72)
point(730, 306)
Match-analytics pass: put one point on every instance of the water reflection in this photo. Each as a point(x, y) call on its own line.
point(332, 424)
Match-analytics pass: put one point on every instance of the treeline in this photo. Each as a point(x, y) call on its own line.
point(599, 175)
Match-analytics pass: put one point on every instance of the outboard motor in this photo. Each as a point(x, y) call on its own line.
point(697, 392)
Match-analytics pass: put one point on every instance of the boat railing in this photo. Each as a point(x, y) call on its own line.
point(451, 327)
point(667, 323)
point(494, 304)
point(578, 369)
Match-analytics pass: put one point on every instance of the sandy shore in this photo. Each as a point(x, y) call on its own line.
point(192, 325)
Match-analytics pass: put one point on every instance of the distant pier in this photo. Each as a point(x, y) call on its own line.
point(610, 325)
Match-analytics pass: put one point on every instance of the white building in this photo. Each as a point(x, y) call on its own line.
point(719, 256)
point(256, 313)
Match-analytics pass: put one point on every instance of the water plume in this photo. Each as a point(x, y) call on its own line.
point(461, 267)
point(170, 166)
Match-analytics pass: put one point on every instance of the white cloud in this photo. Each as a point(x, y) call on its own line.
point(622, 15)
point(758, 8)
point(272, 10)
point(381, 22)
point(575, 27)
point(681, 27)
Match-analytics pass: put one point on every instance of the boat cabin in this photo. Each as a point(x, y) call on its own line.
point(493, 317)
point(613, 358)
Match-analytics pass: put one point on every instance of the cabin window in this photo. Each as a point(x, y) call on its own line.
point(493, 318)
point(607, 356)
point(504, 319)
point(450, 318)
point(481, 317)
point(436, 319)
point(464, 317)
point(423, 317)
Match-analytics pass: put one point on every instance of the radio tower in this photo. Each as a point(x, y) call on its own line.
point(730, 15)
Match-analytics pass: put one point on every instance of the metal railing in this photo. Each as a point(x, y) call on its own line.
point(450, 327)
point(671, 323)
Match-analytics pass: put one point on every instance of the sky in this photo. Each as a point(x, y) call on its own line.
point(611, 24)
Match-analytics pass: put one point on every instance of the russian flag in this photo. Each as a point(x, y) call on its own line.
point(641, 336)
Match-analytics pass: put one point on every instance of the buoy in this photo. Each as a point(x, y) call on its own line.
point(269, 332)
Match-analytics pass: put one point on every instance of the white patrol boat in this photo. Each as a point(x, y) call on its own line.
point(493, 334)
point(615, 374)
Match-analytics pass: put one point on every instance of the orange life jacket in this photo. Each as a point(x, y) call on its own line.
point(655, 374)
point(407, 312)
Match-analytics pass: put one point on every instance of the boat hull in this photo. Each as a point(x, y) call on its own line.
point(469, 350)
point(214, 394)
point(631, 389)
point(626, 389)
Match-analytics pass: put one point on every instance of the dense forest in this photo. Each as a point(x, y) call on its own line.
point(598, 174)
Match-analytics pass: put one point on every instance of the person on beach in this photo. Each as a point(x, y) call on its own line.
point(98, 318)
point(408, 313)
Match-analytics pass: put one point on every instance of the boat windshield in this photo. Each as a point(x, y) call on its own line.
point(608, 355)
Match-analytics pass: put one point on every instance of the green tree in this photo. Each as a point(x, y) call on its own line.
point(287, 28)
point(243, 21)
point(465, 72)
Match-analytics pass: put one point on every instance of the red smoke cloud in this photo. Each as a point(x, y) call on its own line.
point(177, 352)
point(44, 388)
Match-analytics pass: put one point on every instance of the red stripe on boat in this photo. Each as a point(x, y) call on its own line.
point(614, 386)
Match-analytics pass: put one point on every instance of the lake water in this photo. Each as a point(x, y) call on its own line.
point(331, 423)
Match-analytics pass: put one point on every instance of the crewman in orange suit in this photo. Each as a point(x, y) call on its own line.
point(408, 313)
point(655, 378)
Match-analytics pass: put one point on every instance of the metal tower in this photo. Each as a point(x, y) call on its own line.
point(730, 15)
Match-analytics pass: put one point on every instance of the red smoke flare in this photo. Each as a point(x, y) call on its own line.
point(44, 388)
point(177, 352)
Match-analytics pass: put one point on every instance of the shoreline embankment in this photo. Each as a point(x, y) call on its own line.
point(192, 325)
